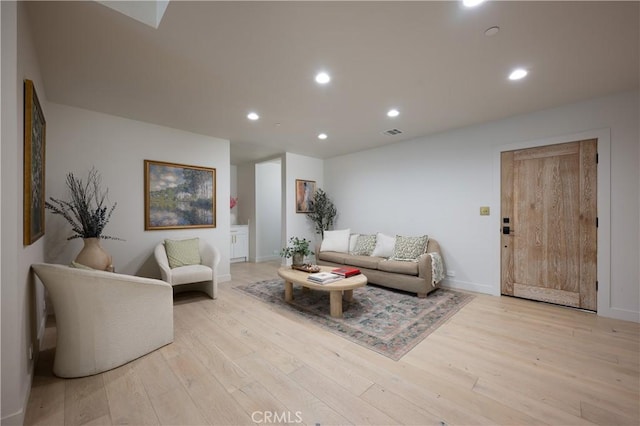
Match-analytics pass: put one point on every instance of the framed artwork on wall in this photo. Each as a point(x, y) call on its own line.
point(305, 190)
point(34, 164)
point(177, 196)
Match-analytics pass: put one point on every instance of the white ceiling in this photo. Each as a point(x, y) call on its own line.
point(209, 63)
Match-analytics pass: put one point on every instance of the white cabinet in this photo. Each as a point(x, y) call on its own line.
point(239, 243)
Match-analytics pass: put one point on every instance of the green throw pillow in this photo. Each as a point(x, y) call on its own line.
point(409, 248)
point(182, 252)
point(364, 245)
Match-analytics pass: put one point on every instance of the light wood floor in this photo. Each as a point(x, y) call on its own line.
point(499, 360)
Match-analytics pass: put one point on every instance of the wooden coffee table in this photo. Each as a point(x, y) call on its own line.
point(336, 289)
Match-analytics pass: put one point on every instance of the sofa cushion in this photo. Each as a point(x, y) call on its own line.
point(333, 256)
point(191, 274)
point(409, 248)
point(364, 245)
point(336, 241)
point(369, 262)
point(384, 245)
point(399, 267)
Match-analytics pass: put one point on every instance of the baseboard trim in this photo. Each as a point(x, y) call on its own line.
point(266, 258)
point(16, 418)
point(468, 286)
point(614, 313)
point(620, 314)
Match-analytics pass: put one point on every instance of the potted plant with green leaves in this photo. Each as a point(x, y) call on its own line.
point(297, 249)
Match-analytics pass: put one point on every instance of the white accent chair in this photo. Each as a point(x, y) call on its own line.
point(103, 319)
point(193, 277)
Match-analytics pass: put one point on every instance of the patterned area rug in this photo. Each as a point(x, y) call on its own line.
point(386, 321)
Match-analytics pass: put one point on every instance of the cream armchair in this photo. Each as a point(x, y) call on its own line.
point(104, 319)
point(193, 277)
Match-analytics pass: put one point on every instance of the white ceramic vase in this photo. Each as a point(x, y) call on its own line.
point(234, 218)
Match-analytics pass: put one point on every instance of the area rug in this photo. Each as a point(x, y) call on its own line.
point(386, 321)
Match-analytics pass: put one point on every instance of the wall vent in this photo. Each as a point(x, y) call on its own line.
point(393, 132)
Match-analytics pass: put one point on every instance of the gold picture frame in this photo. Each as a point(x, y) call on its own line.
point(34, 166)
point(305, 190)
point(177, 196)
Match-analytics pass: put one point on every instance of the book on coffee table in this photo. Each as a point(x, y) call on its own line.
point(346, 271)
point(323, 277)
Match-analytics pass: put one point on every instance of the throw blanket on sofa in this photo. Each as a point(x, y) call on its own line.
point(437, 268)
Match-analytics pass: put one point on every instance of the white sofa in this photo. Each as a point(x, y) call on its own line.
point(104, 319)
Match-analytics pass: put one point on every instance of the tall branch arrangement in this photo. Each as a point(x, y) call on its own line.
point(323, 212)
point(87, 212)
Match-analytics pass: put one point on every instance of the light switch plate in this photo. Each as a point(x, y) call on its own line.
point(484, 211)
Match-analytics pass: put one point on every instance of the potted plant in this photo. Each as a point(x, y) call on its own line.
point(322, 212)
point(297, 249)
point(88, 214)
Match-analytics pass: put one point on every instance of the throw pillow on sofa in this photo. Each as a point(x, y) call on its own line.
point(336, 241)
point(364, 245)
point(353, 238)
point(409, 248)
point(384, 245)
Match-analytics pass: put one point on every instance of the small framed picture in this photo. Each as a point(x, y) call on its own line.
point(305, 190)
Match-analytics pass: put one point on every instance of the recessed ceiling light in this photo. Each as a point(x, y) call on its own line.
point(492, 31)
point(253, 116)
point(393, 113)
point(323, 78)
point(322, 136)
point(472, 3)
point(518, 74)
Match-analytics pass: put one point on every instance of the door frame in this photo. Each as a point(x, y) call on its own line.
point(603, 206)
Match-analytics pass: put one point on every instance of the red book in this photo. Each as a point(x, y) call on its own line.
point(346, 271)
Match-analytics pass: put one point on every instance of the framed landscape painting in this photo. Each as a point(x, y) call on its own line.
point(178, 196)
point(34, 162)
point(305, 190)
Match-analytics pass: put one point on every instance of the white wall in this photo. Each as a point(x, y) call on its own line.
point(79, 139)
point(299, 167)
point(233, 183)
point(436, 184)
point(268, 210)
point(22, 300)
point(292, 167)
point(246, 175)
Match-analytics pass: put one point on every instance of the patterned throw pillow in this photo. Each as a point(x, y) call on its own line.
point(409, 248)
point(182, 252)
point(364, 245)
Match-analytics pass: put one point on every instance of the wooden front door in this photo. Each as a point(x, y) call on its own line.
point(548, 223)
